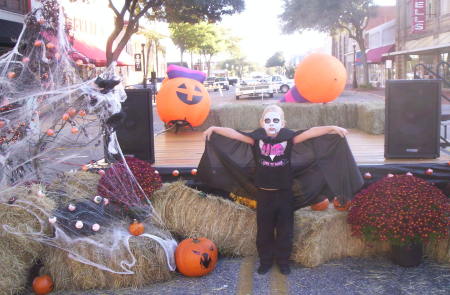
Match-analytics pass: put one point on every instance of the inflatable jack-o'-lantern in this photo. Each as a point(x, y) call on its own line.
point(196, 257)
point(320, 77)
point(183, 100)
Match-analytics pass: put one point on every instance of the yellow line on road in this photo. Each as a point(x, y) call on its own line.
point(245, 285)
point(278, 282)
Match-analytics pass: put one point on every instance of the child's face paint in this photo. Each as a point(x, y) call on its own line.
point(272, 123)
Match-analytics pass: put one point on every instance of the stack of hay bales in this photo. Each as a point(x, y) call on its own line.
point(189, 213)
point(319, 236)
point(151, 264)
point(366, 116)
point(17, 253)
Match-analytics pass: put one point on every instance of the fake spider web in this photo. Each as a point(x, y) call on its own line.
point(51, 122)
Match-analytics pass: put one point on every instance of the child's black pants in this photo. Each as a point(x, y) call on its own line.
point(275, 222)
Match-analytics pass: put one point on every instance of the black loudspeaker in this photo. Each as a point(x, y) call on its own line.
point(135, 134)
point(413, 110)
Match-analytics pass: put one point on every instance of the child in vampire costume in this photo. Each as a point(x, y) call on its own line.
point(283, 171)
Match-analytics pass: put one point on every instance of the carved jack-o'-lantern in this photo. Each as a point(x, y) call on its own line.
point(183, 99)
point(196, 257)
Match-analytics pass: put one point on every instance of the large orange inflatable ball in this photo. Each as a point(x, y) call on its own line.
point(183, 99)
point(196, 257)
point(320, 77)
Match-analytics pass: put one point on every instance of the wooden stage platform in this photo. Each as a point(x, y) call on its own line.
point(184, 150)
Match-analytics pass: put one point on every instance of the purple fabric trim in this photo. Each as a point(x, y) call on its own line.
point(174, 71)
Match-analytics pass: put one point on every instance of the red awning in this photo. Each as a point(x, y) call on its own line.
point(375, 55)
point(97, 56)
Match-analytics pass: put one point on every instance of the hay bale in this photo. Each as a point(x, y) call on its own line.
point(371, 117)
point(342, 114)
point(243, 116)
point(438, 250)
point(367, 116)
point(74, 185)
point(186, 212)
point(302, 116)
point(320, 236)
point(19, 253)
point(68, 274)
point(14, 273)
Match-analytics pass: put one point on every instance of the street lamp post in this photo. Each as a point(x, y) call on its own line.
point(355, 83)
point(144, 79)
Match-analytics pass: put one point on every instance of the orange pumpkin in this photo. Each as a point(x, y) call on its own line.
point(42, 285)
point(320, 77)
point(183, 99)
point(321, 205)
point(196, 257)
point(338, 206)
point(136, 228)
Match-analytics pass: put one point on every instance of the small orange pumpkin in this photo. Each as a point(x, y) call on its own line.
point(183, 99)
point(337, 205)
point(196, 257)
point(42, 285)
point(136, 228)
point(321, 206)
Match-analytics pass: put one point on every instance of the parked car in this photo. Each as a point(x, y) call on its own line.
point(222, 82)
point(253, 88)
point(281, 83)
point(233, 80)
point(210, 84)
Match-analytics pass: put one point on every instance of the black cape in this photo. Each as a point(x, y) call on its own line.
point(320, 166)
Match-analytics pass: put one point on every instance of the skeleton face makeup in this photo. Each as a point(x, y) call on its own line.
point(272, 123)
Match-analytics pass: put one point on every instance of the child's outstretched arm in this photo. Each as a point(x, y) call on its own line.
point(319, 131)
point(227, 132)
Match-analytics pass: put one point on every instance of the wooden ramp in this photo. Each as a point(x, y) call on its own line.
point(184, 149)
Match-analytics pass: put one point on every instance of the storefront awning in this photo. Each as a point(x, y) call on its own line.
point(97, 56)
point(9, 32)
point(421, 50)
point(375, 55)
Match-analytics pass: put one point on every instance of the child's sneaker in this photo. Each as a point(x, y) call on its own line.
point(284, 269)
point(264, 268)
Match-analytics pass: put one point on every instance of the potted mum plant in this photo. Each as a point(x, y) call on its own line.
point(404, 210)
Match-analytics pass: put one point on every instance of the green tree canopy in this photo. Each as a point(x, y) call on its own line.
point(276, 60)
point(330, 16)
point(129, 12)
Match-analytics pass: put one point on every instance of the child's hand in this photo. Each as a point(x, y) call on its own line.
point(208, 132)
point(342, 132)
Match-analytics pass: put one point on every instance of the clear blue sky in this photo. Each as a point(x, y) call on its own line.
point(259, 28)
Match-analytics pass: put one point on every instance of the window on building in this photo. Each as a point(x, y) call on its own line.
point(445, 7)
point(431, 9)
point(17, 6)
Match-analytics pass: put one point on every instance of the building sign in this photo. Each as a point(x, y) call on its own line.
point(418, 16)
point(137, 62)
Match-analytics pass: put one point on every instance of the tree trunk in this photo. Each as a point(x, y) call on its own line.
point(181, 56)
point(192, 60)
point(362, 47)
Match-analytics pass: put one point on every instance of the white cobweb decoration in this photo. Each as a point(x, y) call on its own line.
point(52, 121)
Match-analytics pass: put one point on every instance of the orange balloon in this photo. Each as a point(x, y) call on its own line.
point(183, 99)
point(320, 77)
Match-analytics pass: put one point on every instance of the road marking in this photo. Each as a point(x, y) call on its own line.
point(278, 282)
point(245, 285)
